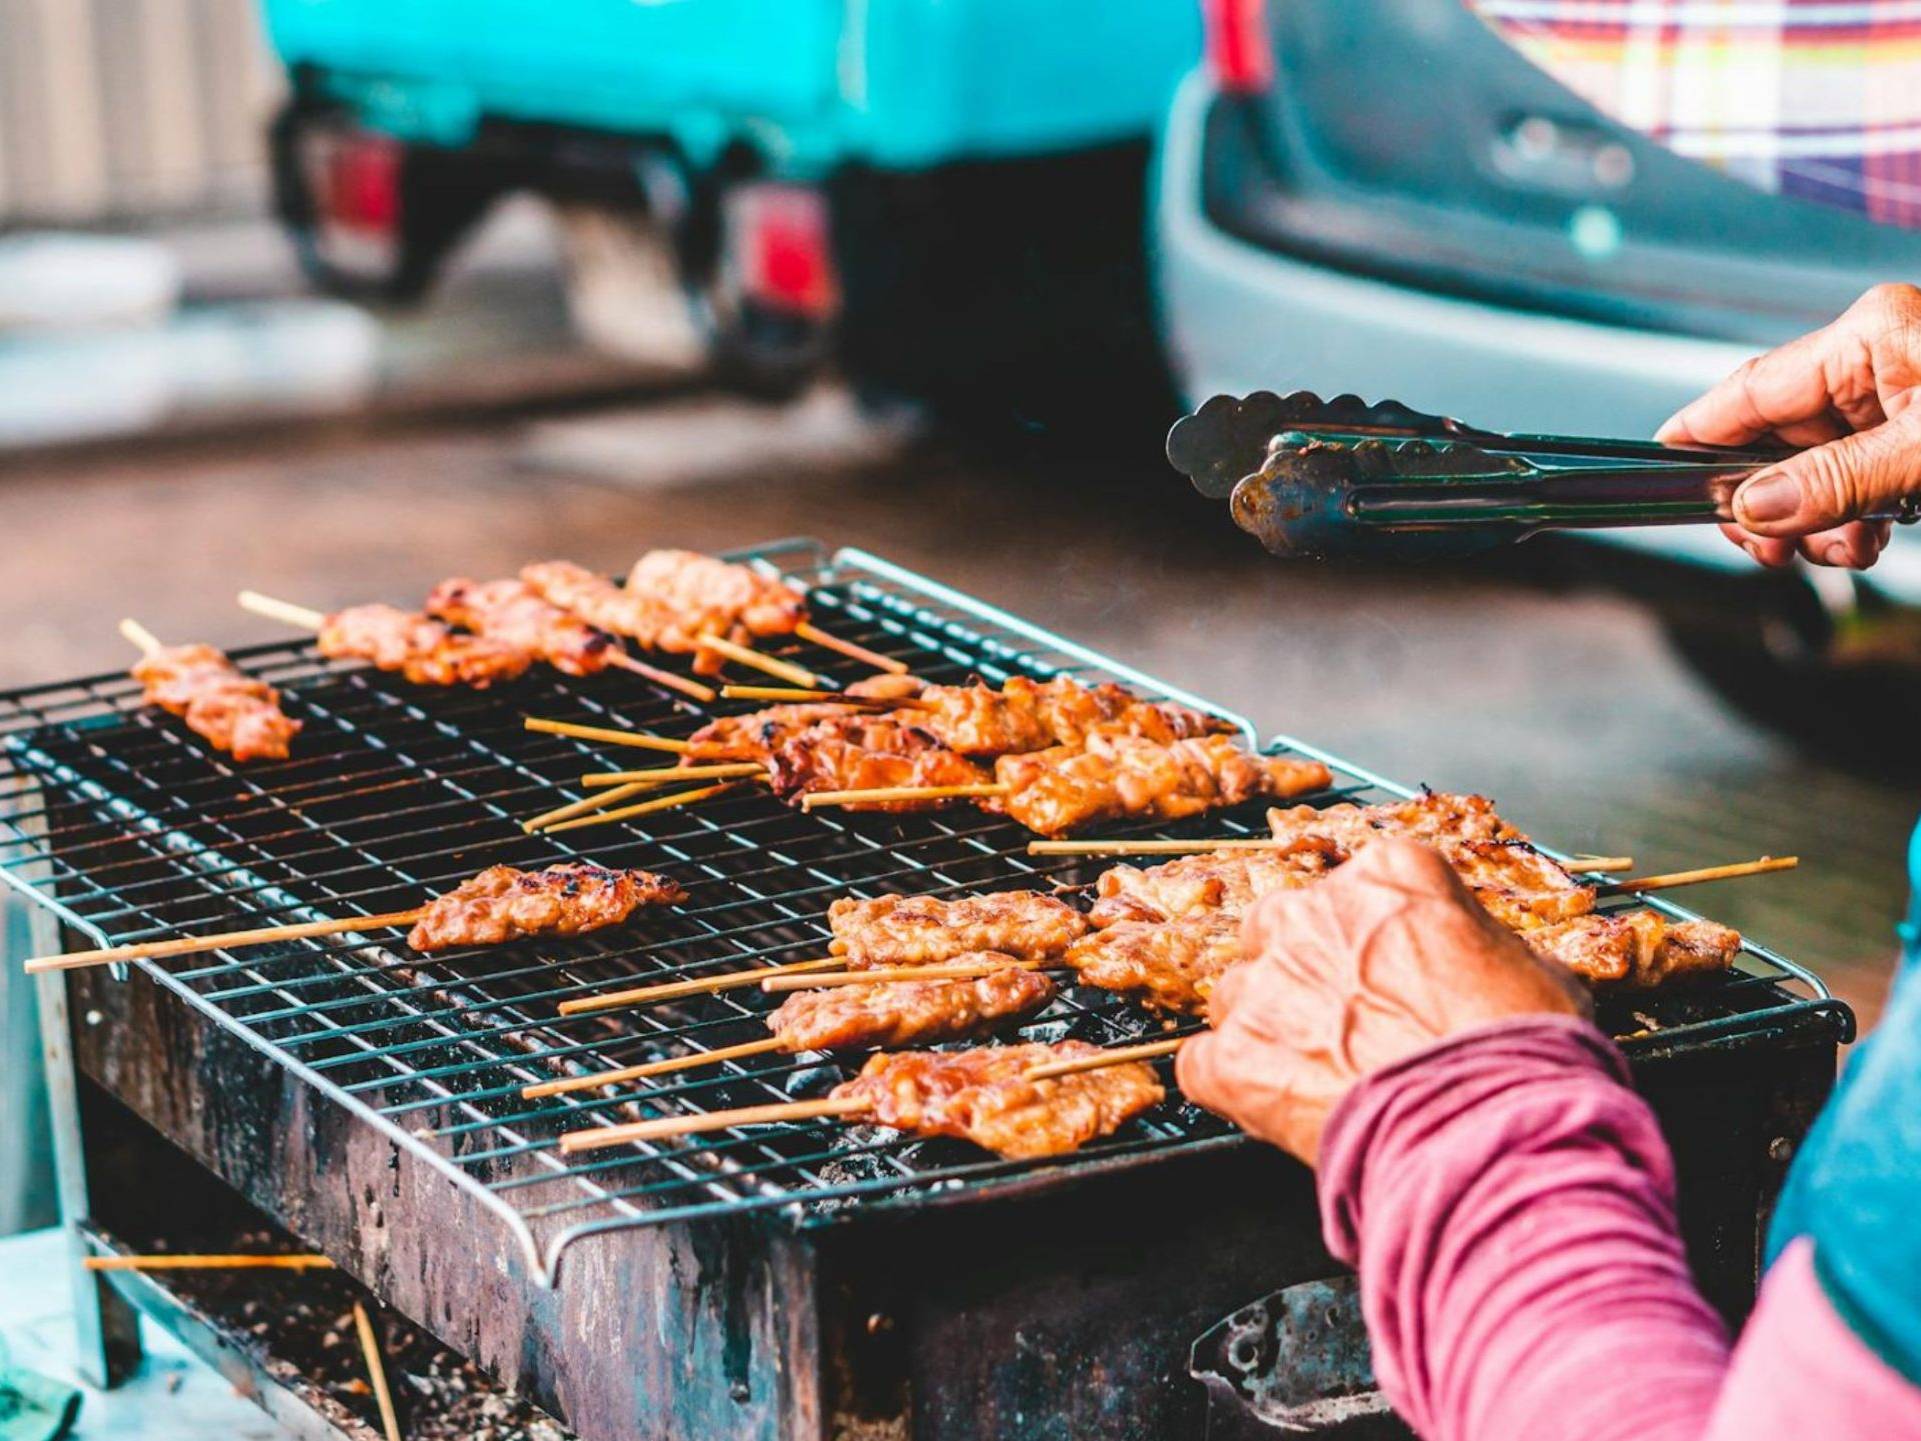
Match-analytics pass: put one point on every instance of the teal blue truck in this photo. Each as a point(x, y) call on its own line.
point(946, 196)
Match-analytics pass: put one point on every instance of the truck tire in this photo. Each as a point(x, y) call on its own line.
point(1009, 294)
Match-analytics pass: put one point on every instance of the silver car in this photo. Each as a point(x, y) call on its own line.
point(1387, 199)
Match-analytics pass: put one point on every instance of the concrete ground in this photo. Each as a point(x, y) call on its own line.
point(1561, 701)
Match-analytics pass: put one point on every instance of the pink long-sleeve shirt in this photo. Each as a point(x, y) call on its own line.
point(1509, 1203)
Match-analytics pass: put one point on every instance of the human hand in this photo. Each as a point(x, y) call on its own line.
point(1847, 393)
point(1387, 955)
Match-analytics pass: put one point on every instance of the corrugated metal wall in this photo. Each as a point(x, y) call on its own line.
point(118, 110)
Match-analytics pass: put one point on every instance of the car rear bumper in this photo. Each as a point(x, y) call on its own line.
point(1237, 317)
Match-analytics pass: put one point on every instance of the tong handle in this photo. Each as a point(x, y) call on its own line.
point(1572, 499)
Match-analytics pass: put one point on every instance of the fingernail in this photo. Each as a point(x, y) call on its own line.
point(1837, 553)
point(1768, 497)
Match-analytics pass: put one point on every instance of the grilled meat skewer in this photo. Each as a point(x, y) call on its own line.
point(1057, 790)
point(756, 735)
point(924, 930)
point(232, 711)
point(983, 1095)
point(419, 648)
point(1026, 715)
point(513, 614)
point(505, 904)
point(867, 752)
point(905, 1013)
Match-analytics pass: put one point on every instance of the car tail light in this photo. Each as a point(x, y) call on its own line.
point(362, 185)
point(785, 250)
point(1239, 56)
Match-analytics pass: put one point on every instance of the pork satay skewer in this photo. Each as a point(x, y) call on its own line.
point(230, 710)
point(982, 1095)
point(417, 647)
point(500, 904)
point(956, 970)
point(659, 620)
point(794, 694)
point(514, 614)
point(888, 1015)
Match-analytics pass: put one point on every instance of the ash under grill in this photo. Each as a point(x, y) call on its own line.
point(396, 792)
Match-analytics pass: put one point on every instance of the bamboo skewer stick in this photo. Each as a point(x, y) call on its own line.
point(663, 775)
point(580, 807)
point(574, 1142)
point(653, 1068)
point(1761, 867)
point(223, 940)
point(803, 694)
point(704, 985)
point(692, 689)
point(807, 630)
point(744, 655)
point(296, 1262)
point(300, 617)
point(609, 734)
point(645, 808)
point(1118, 1056)
point(376, 1372)
point(937, 971)
point(902, 793)
point(143, 640)
point(1125, 847)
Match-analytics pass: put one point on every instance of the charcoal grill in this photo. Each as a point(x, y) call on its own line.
point(813, 1280)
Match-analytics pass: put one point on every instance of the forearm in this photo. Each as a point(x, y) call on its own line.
point(1508, 1201)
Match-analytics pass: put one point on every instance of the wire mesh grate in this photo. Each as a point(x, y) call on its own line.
point(131, 829)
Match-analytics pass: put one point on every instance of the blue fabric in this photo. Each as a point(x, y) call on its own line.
point(1855, 1188)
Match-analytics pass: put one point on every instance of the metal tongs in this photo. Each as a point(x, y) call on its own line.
point(1317, 479)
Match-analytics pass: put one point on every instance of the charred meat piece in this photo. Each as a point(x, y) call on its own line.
point(866, 752)
point(1166, 965)
point(1055, 791)
point(598, 601)
point(232, 711)
point(922, 930)
point(1028, 715)
point(1221, 882)
point(1636, 949)
point(513, 614)
point(756, 735)
point(983, 1096)
point(506, 904)
point(1519, 885)
point(907, 1013)
point(697, 595)
point(421, 649)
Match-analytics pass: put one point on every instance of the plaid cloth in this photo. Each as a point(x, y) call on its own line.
point(1819, 99)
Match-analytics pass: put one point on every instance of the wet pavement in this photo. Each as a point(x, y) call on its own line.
point(1557, 696)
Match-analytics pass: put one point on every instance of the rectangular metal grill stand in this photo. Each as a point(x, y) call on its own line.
point(757, 1283)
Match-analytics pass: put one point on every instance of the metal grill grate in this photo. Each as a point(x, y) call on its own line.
point(127, 826)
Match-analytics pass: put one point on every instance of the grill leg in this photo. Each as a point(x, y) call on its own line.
point(106, 1327)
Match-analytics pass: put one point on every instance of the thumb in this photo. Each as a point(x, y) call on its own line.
point(1840, 481)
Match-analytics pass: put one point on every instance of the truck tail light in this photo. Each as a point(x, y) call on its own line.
point(786, 251)
point(1239, 57)
point(361, 186)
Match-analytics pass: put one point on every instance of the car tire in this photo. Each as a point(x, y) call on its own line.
point(1774, 650)
point(1005, 296)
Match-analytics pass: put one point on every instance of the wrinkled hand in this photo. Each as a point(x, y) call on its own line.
point(1846, 391)
point(1387, 955)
